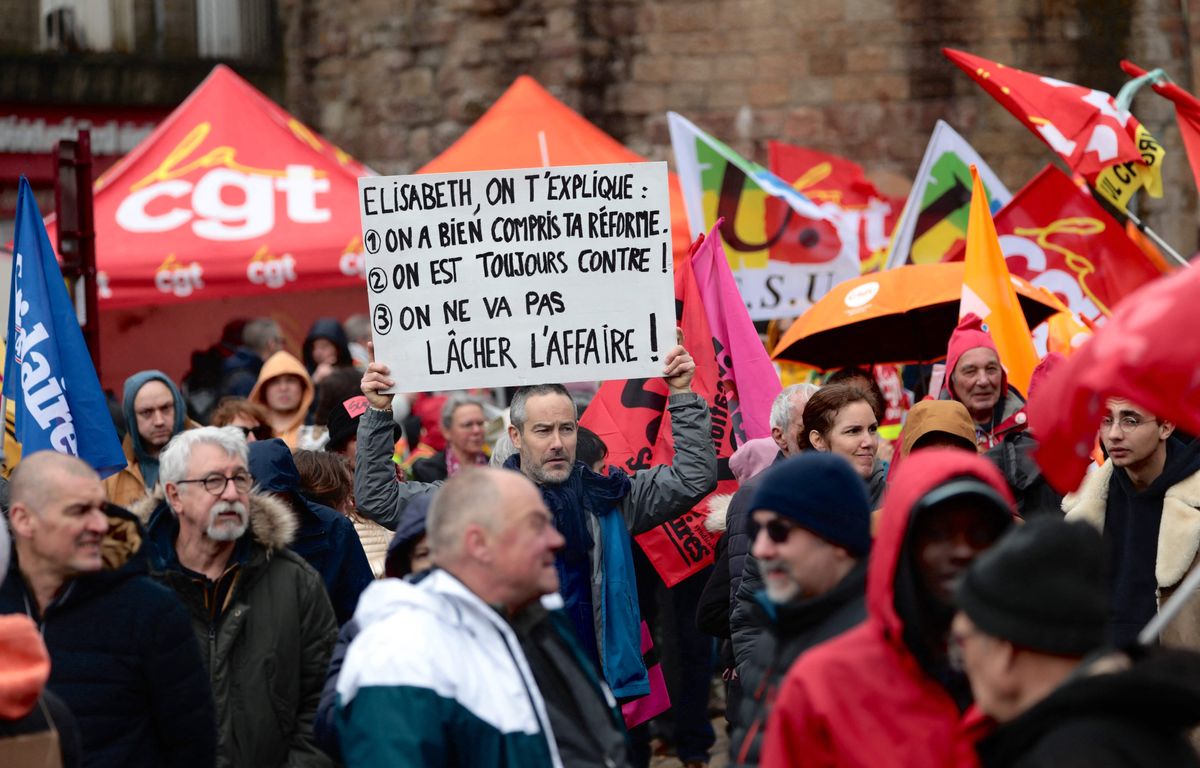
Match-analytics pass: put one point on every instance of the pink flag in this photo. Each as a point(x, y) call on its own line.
point(746, 377)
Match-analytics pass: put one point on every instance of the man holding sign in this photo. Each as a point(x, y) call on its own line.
point(595, 513)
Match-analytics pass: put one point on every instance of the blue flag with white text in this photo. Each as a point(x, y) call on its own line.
point(48, 373)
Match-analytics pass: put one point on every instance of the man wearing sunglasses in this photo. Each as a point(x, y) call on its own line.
point(264, 621)
point(810, 523)
point(1146, 500)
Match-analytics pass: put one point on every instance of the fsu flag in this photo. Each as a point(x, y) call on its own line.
point(631, 416)
point(863, 215)
point(1057, 237)
point(782, 246)
point(1104, 144)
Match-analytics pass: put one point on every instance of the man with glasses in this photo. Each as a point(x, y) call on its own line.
point(976, 378)
point(154, 413)
point(1146, 501)
point(122, 656)
point(811, 531)
point(265, 624)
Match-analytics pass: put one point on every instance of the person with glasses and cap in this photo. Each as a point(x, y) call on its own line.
point(1146, 501)
point(812, 550)
point(885, 693)
point(264, 621)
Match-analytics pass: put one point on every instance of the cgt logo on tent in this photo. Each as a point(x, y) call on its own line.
point(353, 262)
point(270, 270)
point(228, 202)
point(178, 279)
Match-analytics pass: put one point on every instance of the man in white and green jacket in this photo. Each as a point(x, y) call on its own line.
point(437, 675)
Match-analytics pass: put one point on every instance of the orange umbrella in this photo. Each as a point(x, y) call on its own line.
point(903, 315)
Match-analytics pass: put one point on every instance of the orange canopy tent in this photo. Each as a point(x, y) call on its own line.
point(528, 128)
point(230, 209)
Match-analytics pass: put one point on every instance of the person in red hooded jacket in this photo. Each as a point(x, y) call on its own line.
point(884, 693)
point(976, 378)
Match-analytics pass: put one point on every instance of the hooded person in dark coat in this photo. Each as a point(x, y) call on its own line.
point(324, 538)
point(1030, 634)
point(812, 549)
point(123, 655)
point(326, 348)
point(884, 693)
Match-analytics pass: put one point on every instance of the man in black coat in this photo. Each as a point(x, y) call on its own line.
point(1030, 635)
point(811, 520)
point(123, 656)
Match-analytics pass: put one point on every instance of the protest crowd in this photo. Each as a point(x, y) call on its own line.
point(290, 557)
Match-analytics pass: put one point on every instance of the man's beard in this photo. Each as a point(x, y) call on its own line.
point(779, 592)
point(226, 531)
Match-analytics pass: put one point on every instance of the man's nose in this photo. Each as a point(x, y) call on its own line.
point(97, 521)
point(229, 492)
point(763, 547)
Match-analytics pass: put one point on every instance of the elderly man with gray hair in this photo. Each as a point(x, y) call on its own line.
point(410, 691)
point(264, 622)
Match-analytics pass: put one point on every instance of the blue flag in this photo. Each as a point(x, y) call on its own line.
point(48, 373)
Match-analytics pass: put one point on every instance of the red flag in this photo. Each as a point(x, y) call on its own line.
point(1187, 114)
point(631, 418)
point(1104, 144)
point(1145, 353)
point(1056, 236)
point(863, 215)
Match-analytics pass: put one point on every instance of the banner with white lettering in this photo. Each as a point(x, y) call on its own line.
point(505, 278)
point(48, 374)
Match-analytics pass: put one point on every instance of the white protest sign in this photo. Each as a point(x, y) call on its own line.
point(505, 278)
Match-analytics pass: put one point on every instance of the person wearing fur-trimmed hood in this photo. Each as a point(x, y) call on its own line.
point(265, 624)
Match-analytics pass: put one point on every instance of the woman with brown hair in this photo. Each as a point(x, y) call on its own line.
point(325, 478)
point(840, 418)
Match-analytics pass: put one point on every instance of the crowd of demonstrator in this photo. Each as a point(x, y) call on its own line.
point(297, 568)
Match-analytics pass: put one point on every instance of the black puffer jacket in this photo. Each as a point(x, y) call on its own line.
point(1108, 715)
point(788, 631)
point(124, 659)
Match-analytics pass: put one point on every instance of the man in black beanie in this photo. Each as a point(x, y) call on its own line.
point(1030, 634)
point(810, 526)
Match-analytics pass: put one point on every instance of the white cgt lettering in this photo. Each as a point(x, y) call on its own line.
point(213, 218)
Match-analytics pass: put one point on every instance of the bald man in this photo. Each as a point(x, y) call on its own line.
point(123, 656)
point(422, 648)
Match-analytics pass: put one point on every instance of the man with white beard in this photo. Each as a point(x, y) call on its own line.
point(811, 531)
point(265, 624)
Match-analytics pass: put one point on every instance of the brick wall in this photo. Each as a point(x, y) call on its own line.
point(396, 81)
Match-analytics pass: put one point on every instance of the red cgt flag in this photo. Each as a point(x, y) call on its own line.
point(1187, 114)
point(1145, 353)
point(1104, 144)
point(631, 417)
point(1056, 236)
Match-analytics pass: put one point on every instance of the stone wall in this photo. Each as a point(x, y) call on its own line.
point(396, 81)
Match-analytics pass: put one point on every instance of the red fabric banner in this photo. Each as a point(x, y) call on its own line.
point(631, 417)
point(1145, 353)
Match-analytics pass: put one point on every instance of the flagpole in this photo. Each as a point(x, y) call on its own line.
point(1162, 244)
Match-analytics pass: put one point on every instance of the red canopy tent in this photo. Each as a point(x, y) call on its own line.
point(528, 128)
point(230, 208)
